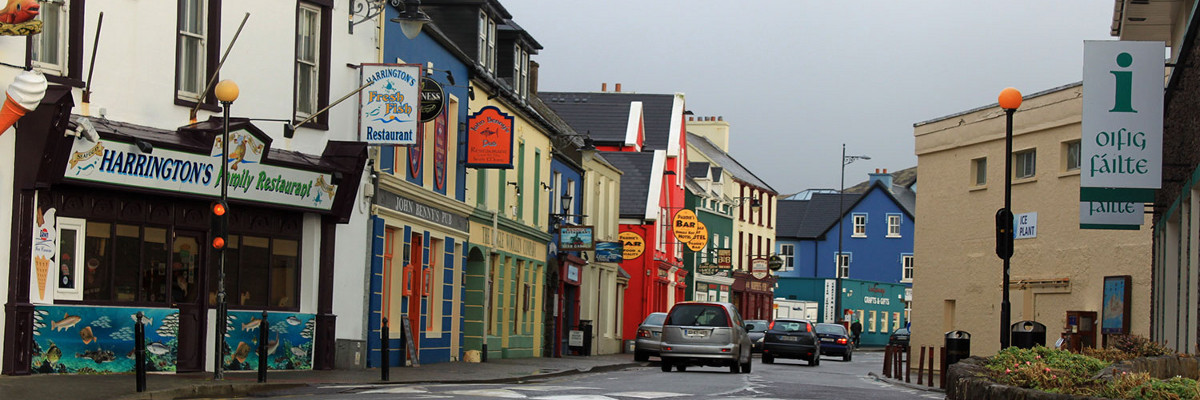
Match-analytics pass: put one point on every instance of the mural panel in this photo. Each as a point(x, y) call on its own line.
point(99, 340)
point(289, 341)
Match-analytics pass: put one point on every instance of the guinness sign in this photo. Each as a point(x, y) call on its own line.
point(433, 99)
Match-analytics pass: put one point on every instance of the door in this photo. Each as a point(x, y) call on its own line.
point(417, 262)
point(187, 263)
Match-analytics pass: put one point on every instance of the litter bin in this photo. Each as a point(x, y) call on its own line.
point(958, 346)
point(1026, 334)
point(585, 325)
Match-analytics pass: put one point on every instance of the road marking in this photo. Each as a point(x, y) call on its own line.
point(499, 393)
point(396, 390)
point(649, 395)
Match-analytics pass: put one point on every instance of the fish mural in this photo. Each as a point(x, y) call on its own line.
point(253, 324)
point(99, 340)
point(293, 321)
point(289, 344)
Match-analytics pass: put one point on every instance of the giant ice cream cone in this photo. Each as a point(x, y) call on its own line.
point(22, 96)
point(43, 269)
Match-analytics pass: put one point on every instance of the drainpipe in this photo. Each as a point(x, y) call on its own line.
point(487, 283)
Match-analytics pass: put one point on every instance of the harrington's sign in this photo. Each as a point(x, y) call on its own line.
point(120, 163)
point(490, 139)
point(1121, 147)
point(390, 103)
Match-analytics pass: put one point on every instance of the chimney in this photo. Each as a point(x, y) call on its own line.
point(720, 118)
point(533, 77)
point(883, 176)
point(604, 87)
point(617, 87)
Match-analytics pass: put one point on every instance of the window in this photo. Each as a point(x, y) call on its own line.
point(435, 282)
point(57, 51)
point(906, 262)
point(871, 322)
point(979, 171)
point(520, 71)
point(193, 48)
point(843, 265)
point(312, 62)
point(1025, 164)
point(1072, 155)
point(487, 43)
point(893, 225)
point(860, 225)
point(571, 192)
point(788, 252)
point(259, 272)
point(70, 259)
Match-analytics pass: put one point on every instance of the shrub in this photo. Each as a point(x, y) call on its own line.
point(1141, 347)
point(1142, 386)
point(1061, 371)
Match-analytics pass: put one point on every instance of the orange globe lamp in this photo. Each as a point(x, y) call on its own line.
point(1010, 98)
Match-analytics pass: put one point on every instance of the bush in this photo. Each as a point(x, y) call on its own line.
point(1142, 386)
point(1141, 347)
point(1060, 371)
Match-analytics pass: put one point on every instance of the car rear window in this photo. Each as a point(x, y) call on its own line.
point(757, 326)
point(698, 315)
point(831, 329)
point(790, 326)
point(655, 319)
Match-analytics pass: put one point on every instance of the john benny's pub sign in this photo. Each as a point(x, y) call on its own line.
point(121, 163)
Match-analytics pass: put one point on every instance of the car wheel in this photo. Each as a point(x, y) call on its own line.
point(746, 367)
point(681, 368)
point(734, 367)
point(640, 356)
point(666, 365)
point(847, 356)
point(768, 359)
point(816, 360)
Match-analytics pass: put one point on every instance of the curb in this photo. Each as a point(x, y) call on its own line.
point(514, 379)
point(905, 384)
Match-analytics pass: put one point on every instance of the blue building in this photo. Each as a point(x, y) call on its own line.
point(878, 219)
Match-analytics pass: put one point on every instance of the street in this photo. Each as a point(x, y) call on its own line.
point(786, 379)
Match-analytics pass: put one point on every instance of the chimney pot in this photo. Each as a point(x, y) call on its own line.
point(691, 118)
point(720, 118)
point(604, 86)
point(885, 170)
point(617, 87)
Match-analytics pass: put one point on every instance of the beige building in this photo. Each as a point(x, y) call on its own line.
point(960, 159)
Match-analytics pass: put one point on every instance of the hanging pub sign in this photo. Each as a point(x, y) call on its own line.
point(775, 263)
point(433, 99)
point(490, 139)
point(388, 103)
point(633, 245)
point(758, 268)
point(684, 225)
point(575, 238)
point(725, 258)
point(608, 252)
point(700, 238)
point(708, 269)
point(1121, 147)
point(439, 153)
point(1111, 215)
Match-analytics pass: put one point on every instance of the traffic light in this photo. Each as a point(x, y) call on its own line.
point(1004, 233)
point(219, 224)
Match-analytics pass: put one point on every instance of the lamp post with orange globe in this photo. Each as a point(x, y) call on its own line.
point(226, 91)
point(1010, 100)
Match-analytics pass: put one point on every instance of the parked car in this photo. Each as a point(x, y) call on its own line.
point(899, 337)
point(707, 334)
point(791, 338)
point(648, 334)
point(756, 328)
point(835, 341)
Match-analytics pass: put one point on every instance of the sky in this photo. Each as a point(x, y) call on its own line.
point(798, 78)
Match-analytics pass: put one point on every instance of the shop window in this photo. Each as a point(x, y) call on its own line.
point(883, 321)
point(255, 259)
point(259, 272)
point(284, 259)
point(871, 322)
point(70, 259)
point(185, 267)
point(155, 279)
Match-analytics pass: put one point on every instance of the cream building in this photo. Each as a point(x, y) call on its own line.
point(603, 283)
point(957, 286)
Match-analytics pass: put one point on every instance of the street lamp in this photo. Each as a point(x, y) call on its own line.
point(1009, 100)
point(411, 19)
point(227, 92)
point(837, 259)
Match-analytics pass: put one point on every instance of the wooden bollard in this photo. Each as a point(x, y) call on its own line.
point(908, 364)
point(930, 380)
point(887, 361)
point(945, 368)
point(921, 365)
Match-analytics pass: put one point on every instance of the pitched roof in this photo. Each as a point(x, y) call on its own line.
point(635, 182)
point(605, 115)
point(726, 161)
point(901, 189)
point(697, 170)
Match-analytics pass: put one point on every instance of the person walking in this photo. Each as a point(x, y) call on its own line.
point(856, 331)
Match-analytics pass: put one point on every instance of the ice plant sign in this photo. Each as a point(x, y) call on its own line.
point(1121, 144)
point(389, 103)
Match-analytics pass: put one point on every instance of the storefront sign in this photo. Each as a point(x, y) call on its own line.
point(389, 103)
point(45, 264)
point(433, 99)
point(422, 211)
point(609, 252)
point(700, 238)
point(830, 293)
point(634, 245)
point(1111, 215)
point(514, 243)
point(120, 163)
point(575, 238)
point(570, 273)
point(775, 263)
point(883, 301)
point(725, 258)
point(575, 339)
point(416, 158)
point(684, 225)
point(490, 139)
point(1025, 226)
point(708, 269)
point(758, 268)
point(1121, 148)
point(439, 154)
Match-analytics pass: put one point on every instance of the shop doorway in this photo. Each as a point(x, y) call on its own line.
point(416, 276)
point(186, 286)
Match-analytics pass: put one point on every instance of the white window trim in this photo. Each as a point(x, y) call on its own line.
point(906, 268)
point(843, 270)
point(201, 59)
point(64, 33)
point(315, 63)
point(857, 232)
point(788, 256)
point(899, 220)
point(1017, 164)
point(80, 227)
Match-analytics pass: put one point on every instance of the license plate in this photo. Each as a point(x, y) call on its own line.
point(655, 334)
point(789, 338)
point(826, 339)
point(695, 332)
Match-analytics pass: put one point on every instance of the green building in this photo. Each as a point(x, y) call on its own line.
point(709, 277)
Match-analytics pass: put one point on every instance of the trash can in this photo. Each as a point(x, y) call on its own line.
point(585, 325)
point(1026, 334)
point(958, 346)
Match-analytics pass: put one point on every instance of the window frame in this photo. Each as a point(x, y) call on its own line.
point(79, 225)
point(211, 52)
point(1025, 159)
point(979, 172)
point(906, 268)
point(72, 39)
point(322, 41)
point(893, 229)
point(858, 230)
point(842, 269)
point(1068, 153)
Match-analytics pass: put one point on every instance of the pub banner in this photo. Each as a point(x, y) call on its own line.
point(490, 139)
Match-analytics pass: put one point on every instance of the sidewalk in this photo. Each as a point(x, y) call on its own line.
point(170, 386)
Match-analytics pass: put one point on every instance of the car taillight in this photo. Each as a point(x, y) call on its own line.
point(772, 325)
point(643, 333)
point(841, 341)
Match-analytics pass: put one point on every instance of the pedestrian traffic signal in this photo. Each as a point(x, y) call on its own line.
point(1004, 233)
point(219, 217)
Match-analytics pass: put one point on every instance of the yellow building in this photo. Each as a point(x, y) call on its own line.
point(1060, 269)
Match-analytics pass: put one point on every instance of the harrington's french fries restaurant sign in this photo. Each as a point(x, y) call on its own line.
point(389, 104)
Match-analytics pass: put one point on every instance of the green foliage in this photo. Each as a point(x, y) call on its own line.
point(1060, 371)
point(1142, 386)
point(1140, 346)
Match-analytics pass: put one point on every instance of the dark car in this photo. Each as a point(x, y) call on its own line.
point(899, 337)
point(791, 338)
point(704, 333)
point(835, 341)
point(756, 328)
point(648, 334)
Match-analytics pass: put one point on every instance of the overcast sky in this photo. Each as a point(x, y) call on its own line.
point(797, 78)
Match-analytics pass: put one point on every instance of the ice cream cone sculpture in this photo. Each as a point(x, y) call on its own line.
point(22, 96)
point(43, 269)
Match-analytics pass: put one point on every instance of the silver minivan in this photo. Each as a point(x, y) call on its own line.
point(705, 333)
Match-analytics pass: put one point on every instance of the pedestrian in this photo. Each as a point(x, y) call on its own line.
point(856, 330)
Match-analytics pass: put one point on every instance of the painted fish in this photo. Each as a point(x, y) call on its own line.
point(67, 322)
point(132, 354)
point(147, 321)
point(99, 356)
point(299, 352)
point(158, 348)
point(273, 344)
point(39, 325)
point(41, 312)
point(18, 11)
point(86, 335)
point(254, 323)
point(53, 353)
point(243, 350)
point(292, 320)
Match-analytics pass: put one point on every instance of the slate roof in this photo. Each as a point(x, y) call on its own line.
point(635, 182)
point(605, 115)
point(812, 218)
point(726, 161)
point(697, 170)
point(902, 182)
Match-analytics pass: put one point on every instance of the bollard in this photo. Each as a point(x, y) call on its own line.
point(908, 364)
point(930, 380)
point(262, 348)
point(945, 368)
point(887, 361)
point(921, 366)
point(384, 350)
point(139, 344)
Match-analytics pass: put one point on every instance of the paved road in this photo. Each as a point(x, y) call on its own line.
point(786, 379)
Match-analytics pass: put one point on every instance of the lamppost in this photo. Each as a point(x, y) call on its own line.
point(1009, 100)
point(560, 219)
point(227, 92)
point(837, 259)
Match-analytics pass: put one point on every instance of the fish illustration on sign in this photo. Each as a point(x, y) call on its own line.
point(309, 326)
point(243, 350)
point(254, 323)
point(299, 352)
point(158, 348)
point(53, 353)
point(273, 344)
point(67, 322)
point(99, 356)
point(85, 334)
point(146, 321)
point(17, 18)
point(292, 320)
